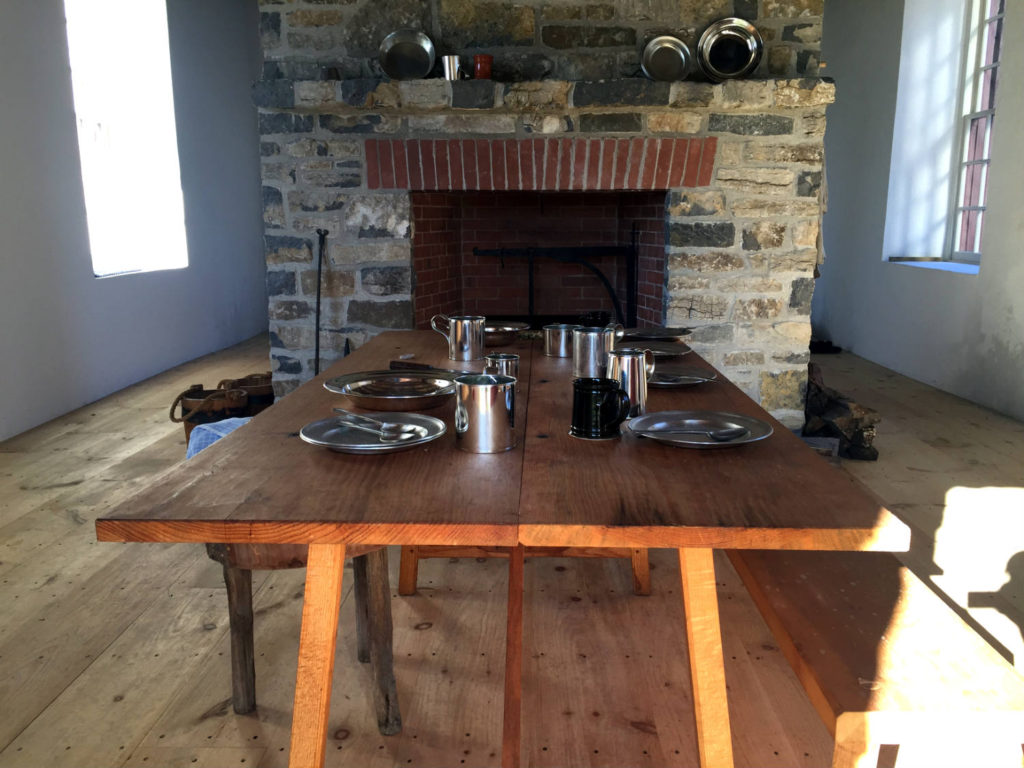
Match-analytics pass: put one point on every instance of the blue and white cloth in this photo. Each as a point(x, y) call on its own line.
point(205, 435)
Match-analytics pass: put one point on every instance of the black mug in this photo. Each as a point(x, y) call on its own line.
point(599, 406)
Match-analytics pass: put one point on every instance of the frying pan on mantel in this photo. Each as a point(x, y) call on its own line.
point(407, 54)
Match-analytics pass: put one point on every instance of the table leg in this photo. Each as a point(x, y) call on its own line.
point(320, 608)
point(707, 664)
point(511, 737)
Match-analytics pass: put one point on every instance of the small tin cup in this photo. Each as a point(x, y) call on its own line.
point(485, 413)
point(558, 339)
point(502, 364)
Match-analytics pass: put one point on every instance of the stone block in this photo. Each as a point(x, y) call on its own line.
point(753, 284)
point(270, 30)
point(315, 200)
point(546, 124)
point(334, 283)
point(689, 94)
point(802, 33)
point(285, 249)
point(611, 122)
point(289, 310)
point(807, 63)
point(709, 261)
point(801, 357)
point(283, 173)
point(381, 314)
point(745, 9)
point(683, 234)
point(317, 38)
point(378, 216)
point(760, 308)
point(371, 252)
point(315, 93)
point(730, 153)
point(745, 94)
point(749, 357)
point(513, 66)
point(759, 152)
point(359, 124)
point(685, 309)
point(373, 21)
point(813, 123)
point(750, 125)
point(684, 283)
point(463, 123)
point(359, 92)
point(808, 183)
point(805, 92)
point(553, 94)
point(805, 233)
point(757, 181)
point(292, 337)
point(794, 261)
point(283, 387)
point(284, 122)
point(634, 92)
point(269, 148)
point(482, 24)
point(564, 37)
point(280, 282)
point(762, 235)
point(675, 122)
point(337, 178)
point(278, 94)
point(800, 295)
point(781, 61)
point(431, 93)
point(757, 208)
point(793, 332)
point(473, 94)
point(273, 208)
point(286, 364)
point(386, 281)
point(711, 334)
point(784, 390)
point(792, 9)
point(695, 202)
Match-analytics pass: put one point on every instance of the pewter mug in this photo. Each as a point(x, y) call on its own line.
point(485, 413)
point(465, 334)
point(558, 339)
point(502, 364)
point(632, 368)
point(452, 67)
point(590, 348)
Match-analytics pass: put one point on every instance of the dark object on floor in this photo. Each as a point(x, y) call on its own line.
point(828, 413)
point(824, 347)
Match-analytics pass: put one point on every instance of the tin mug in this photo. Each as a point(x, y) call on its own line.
point(632, 368)
point(465, 334)
point(590, 348)
point(485, 413)
point(558, 339)
point(502, 364)
point(599, 406)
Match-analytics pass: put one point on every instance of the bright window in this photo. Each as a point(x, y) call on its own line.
point(121, 77)
point(981, 70)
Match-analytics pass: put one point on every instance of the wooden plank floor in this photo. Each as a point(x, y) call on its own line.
point(117, 655)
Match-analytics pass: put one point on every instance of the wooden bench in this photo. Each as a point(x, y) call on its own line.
point(884, 661)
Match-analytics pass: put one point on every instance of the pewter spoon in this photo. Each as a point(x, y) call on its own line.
point(387, 431)
point(723, 435)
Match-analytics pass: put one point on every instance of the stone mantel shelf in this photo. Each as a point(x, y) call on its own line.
point(544, 97)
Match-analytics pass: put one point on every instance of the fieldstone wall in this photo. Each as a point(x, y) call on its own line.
point(741, 249)
point(530, 39)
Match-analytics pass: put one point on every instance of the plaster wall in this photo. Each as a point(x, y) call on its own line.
point(68, 338)
point(960, 332)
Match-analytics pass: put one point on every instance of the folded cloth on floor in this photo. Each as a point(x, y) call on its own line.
point(205, 435)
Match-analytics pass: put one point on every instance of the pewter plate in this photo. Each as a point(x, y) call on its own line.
point(647, 426)
point(658, 348)
point(499, 333)
point(681, 376)
point(655, 334)
point(394, 390)
point(330, 433)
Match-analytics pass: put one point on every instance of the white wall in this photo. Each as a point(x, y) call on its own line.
point(962, 333)
point(67, 338)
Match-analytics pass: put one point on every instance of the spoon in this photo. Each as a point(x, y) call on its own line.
point(387, 431)
point(723, 435)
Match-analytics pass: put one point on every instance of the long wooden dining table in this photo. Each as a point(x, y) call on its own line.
point(263, 484)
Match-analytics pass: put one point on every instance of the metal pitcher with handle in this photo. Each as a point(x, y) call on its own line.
point(465, 334)
point(632, 368)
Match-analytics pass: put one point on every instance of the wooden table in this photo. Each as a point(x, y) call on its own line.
point(262, 484)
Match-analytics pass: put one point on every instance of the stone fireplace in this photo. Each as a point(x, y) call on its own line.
point(480, 196)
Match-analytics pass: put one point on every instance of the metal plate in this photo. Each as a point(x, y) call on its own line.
point(407, 54)
point(658, 348)
point(756, 429)
point(729, 48)
point(394, 390)
point(499, 333)
point(655, 334)
point(666, 58)
point(330, 433)
point(681, 376)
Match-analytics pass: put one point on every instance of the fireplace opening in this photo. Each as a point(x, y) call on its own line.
point(540, 257)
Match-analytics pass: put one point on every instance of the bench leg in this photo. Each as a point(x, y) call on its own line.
point(371, 579)
point(408, 571)
point(360, 590)
point(641, 566)
point(511, 736)
point(243, 669)
point(317, 641)
point(853, 748)
point(707, 663)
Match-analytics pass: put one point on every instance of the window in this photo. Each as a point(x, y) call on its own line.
point(981, 68)
point(126, 135)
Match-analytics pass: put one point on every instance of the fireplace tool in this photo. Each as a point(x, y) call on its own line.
point(322, 234)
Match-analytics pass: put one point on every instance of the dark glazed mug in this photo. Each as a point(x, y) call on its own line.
point(599, 406)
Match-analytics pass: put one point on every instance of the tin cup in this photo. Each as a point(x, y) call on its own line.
point(451, 66)
point(465, 335)
point(632, 368)
point(502, 364)
point(590, 348)
point(599, 406)
point(485, 413)
point(558, 339)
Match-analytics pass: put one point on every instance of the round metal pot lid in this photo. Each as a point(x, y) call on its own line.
point(407, 54)
point(729, 48)
point(666, 58)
